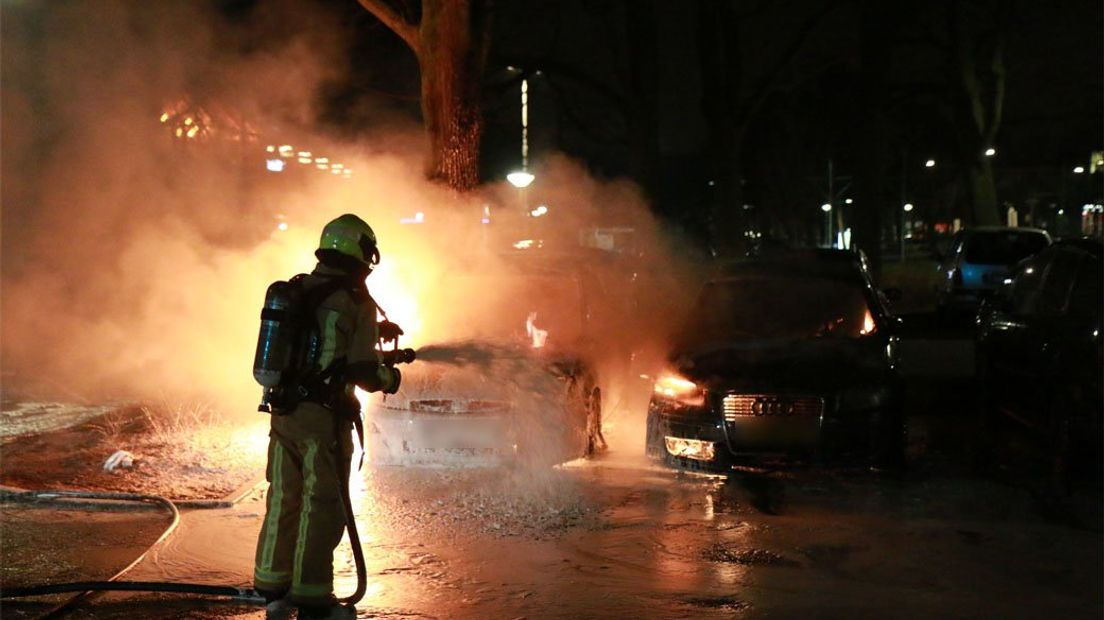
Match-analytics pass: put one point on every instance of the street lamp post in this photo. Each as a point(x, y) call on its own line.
point(521, 179)
point(827, 208)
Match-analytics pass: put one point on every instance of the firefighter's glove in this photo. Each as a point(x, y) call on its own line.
point(389, 331)
point(396, 380)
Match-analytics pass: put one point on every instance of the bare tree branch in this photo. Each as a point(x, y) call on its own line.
point(393, 20)
point(997, 67)
point(774, 77)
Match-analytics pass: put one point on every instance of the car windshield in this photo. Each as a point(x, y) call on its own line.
point(539, 310)
point(778, 307)
point(1003, 247)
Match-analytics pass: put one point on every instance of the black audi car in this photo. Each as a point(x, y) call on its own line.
point(793, 356)
point(1040, 353)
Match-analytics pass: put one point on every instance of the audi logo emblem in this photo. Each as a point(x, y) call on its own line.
point(772, 406)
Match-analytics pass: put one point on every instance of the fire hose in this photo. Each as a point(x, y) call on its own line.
point(82, 589)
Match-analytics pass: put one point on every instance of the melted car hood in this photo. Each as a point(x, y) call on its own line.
point(795, 366)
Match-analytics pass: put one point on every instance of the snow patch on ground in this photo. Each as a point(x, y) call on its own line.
point(24, 418)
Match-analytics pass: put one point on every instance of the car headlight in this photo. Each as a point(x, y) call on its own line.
point(671, 386)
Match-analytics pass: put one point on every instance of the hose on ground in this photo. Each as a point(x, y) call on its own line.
point(83, 589)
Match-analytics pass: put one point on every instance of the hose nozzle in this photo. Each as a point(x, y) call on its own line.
point(398, 356)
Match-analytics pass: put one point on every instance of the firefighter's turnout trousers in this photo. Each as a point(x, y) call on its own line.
point(308, 461)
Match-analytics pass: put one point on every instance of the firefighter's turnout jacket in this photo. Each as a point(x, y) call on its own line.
point(309, 454)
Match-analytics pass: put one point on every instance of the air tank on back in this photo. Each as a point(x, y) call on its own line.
point(276, 342)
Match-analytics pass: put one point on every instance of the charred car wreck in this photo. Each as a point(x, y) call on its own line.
point(529, 387)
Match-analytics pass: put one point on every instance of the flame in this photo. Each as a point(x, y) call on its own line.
point(868, 324)
point(395, 297)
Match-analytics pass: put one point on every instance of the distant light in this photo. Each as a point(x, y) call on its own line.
point(712, 183)
point(520, 178)
point(274, 165)
point(322, 166)
point(1061, 211)
point(164, 117)
point(322, 160)
point(271, 148)
point(931, 163)
point(286, 148)
point(524, 244)
point(908, 207)
point(419, 218)
point(539, 211)
point(1079, 170)
point(302, 153)
point(826, 207)
point(188, 120)
point(305, 160)
point(989, 152)
point(486, 220)
point(282, 226)
point(193, 131)
point(848, 201)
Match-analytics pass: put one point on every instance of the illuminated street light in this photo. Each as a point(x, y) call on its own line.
point(520, 178)
point(539, 211)
point(908, 207)
point(989, 152)
point(1079, 170)
point(826, 207)
point(930, 163)
point(848, 201)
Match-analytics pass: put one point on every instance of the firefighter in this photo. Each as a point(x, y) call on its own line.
point(309, 449)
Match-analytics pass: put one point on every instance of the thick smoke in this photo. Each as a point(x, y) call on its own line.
point(135, 260)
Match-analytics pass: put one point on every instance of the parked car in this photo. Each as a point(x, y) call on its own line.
point(978, 260)
point(529, 387)
point(791, 355)
point(1040, 357)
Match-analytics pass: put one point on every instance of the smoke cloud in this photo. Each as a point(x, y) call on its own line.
point(135, 257)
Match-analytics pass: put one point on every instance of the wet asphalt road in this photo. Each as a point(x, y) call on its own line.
point(618, 537)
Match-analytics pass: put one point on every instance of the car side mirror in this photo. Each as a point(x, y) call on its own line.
point(893, 294)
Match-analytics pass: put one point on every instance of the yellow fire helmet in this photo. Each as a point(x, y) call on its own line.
point(351, 236)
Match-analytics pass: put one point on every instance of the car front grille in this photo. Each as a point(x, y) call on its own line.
point(736, 406)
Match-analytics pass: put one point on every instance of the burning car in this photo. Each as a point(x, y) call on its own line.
point(791, 355)
point(518, 381)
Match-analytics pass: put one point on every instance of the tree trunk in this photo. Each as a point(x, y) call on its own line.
point(722, 71)
point(451, 59)
point(871, 194)
point(983, 192)
point(981, 105)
